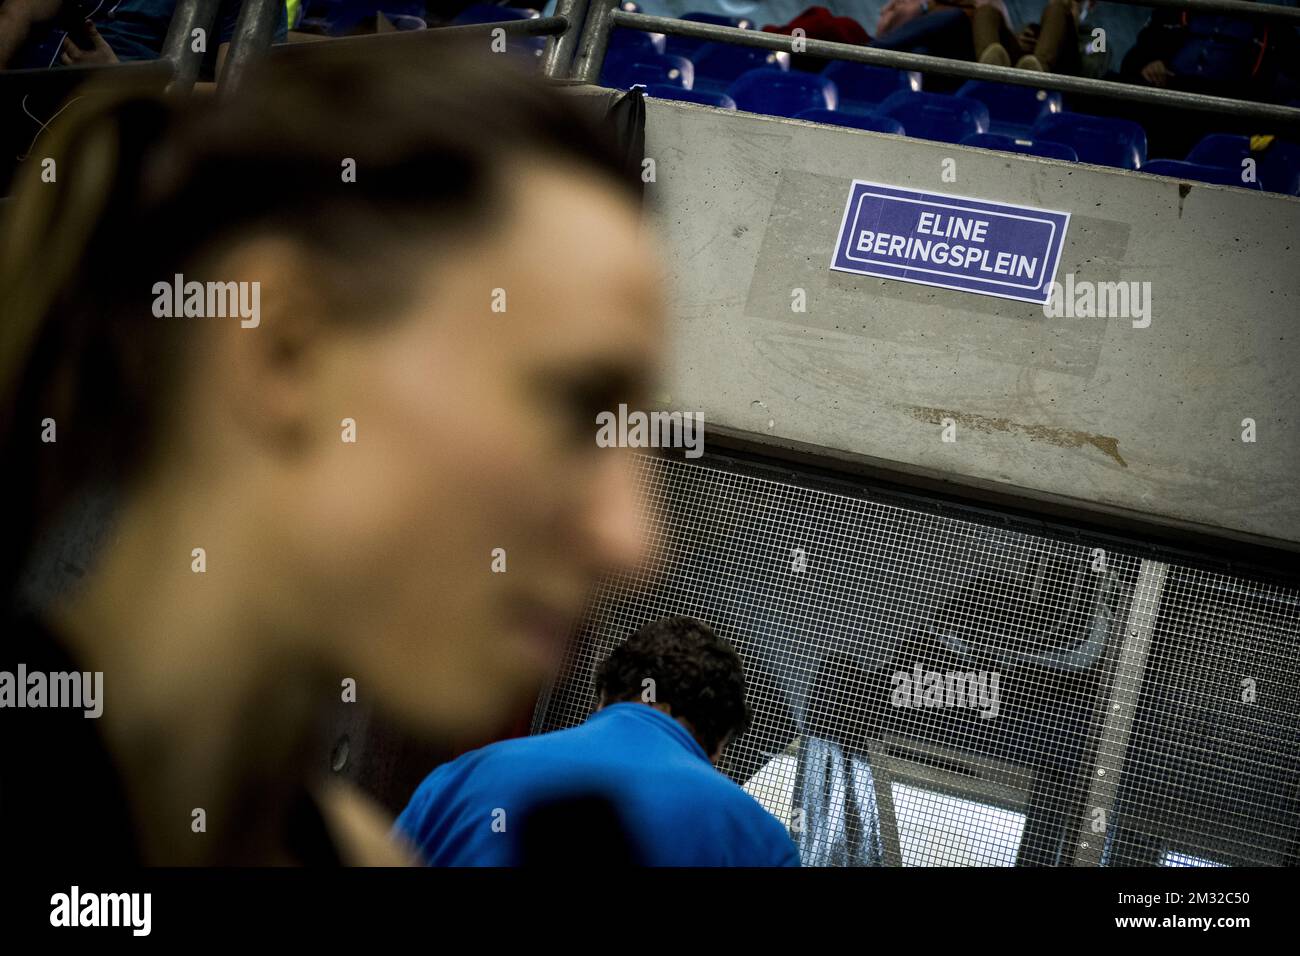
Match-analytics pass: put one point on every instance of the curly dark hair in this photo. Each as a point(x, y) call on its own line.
point(695, 672)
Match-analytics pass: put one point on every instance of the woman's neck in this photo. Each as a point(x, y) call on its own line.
point(208, 712)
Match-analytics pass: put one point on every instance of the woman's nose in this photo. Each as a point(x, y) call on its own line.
point(618, 525)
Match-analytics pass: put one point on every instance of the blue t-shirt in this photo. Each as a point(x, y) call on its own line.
point(677, 809)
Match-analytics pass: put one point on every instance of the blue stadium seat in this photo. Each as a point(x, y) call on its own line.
point(1014, 144)
point(1197, 173)
point(659, 69)
point(403, 8)
point(489, 13)
point(936, 115)
point(1013, 110)
point(778, 92)
point(1103, 140)
point(627, 44)
point(1277, 166)
point(862, 88)
point(876, 124)
point(718, 65)
point(685, 46)
point(720, 100)
point(403, 21)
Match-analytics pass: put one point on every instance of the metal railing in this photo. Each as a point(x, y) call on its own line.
point(604, 17)
point(1234, 8)
point(254, 30)
point(562, 47)
point(252, 37)
point(178, 46)
point(578, 39)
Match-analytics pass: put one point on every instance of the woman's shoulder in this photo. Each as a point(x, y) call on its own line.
point(61, 795)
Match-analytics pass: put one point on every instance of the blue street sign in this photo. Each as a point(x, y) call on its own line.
point(953, 242)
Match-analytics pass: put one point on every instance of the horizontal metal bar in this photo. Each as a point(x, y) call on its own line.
point(1235, 8)
point(70, 77)
point(961, 68)
point(433, 37)
point(538, 26)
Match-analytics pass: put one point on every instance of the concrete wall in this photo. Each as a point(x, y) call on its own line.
point(1082, 411)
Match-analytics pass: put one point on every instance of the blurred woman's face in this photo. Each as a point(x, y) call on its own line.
point(445, 554)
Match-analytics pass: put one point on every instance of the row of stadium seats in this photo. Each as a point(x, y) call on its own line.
point(991, 115)
point(341, 17)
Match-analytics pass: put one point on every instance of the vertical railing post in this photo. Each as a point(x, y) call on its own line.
point(560, 48)
point(253, 31)
point(178, 45)
point(1119, 716)
point(595, 40)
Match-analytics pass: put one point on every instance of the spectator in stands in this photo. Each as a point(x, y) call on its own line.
point(670, 699)
point(982, 30)
point(40, 33)
point(1094, 55)
point(1203, 53)
point(310, 494)
point(1049, 46)
point(935, 27)
point(818, 23)
point(18, 19)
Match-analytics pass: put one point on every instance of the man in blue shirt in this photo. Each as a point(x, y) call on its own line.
point(635, 783)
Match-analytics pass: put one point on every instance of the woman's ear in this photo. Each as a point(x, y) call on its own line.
point(268, 345)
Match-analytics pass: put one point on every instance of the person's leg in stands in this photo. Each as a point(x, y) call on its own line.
point(1057, 48)
point(995, 45)
point(17, 17)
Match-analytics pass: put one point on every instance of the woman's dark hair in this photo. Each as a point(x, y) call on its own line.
point(695, 672)
point(146, 187)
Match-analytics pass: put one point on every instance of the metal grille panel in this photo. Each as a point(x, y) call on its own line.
point(957, 689)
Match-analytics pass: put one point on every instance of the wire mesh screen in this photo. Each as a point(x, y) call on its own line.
point(1215, 735)
point(934, 687)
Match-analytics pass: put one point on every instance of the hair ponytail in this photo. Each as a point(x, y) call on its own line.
point(48, 230)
